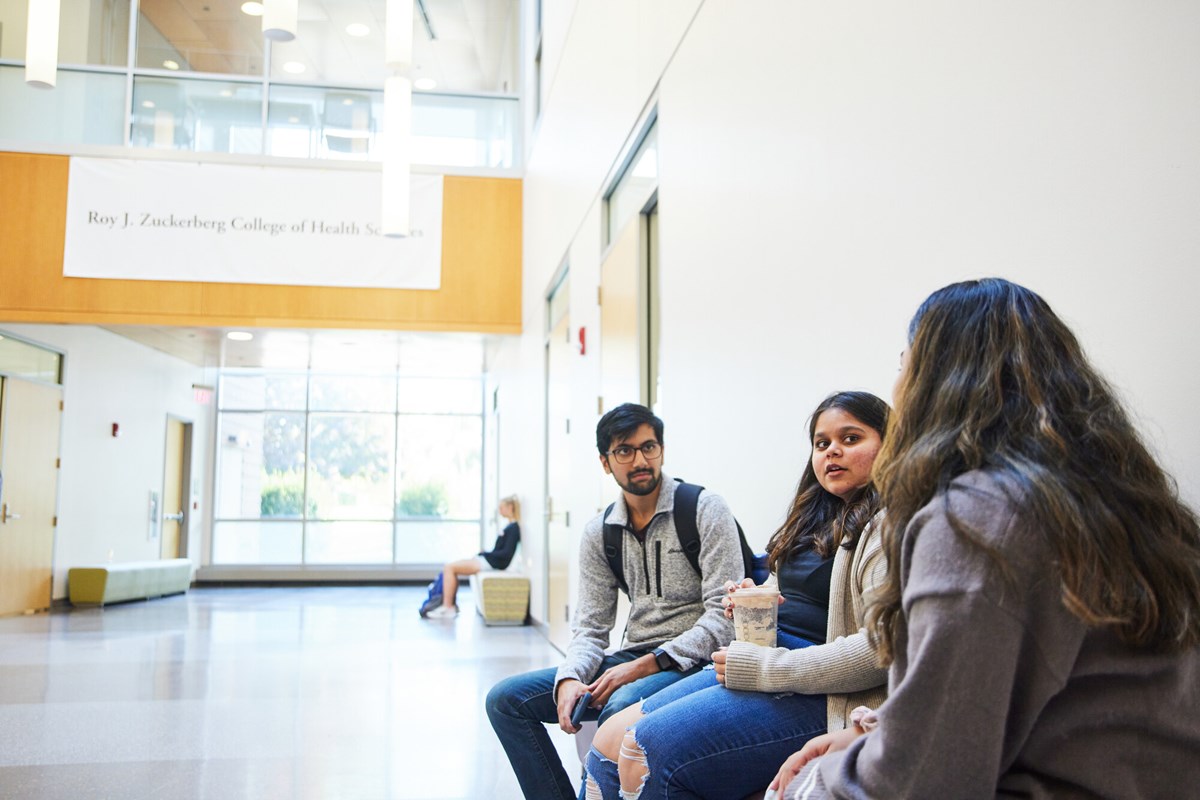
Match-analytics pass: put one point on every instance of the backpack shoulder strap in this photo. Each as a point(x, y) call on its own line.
point(752, 564)
point(687, 495)
point(613, 545)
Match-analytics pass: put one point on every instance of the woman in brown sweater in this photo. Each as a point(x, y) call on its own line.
point(1042, 607)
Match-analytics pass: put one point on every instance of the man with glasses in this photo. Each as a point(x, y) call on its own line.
point(675, 621)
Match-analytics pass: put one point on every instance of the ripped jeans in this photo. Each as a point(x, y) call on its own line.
point(701, 740)
point(518, 707)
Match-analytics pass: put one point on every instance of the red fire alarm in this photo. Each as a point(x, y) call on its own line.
point(116, 430)
point(583, 341)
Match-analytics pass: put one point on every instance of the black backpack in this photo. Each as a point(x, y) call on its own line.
point(687, 495)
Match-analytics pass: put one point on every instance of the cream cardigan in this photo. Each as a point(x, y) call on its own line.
point(845, 668)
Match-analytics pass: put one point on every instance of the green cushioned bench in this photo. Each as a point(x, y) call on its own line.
point(132, 580)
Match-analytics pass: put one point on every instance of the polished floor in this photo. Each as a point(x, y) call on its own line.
point(264, 693)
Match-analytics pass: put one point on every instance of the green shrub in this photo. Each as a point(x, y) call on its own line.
point(423, 500)
point(283, 495)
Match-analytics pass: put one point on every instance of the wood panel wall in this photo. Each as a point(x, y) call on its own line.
point(480, 289)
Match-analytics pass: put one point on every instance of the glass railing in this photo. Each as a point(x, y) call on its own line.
point(205, 115)
point(197, 115)
point(451, 130)
point(86, 108)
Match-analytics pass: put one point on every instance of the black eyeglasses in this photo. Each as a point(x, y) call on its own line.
point(625, 453)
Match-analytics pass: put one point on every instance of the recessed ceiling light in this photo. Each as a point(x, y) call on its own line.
point(253, 9)
point(294, 67)
point(293, 120)
point(239, 336)
point(349, 101)
point(169, 64)
point(357, 29)
point(425, 84)
point(226, 93)
point(147, 104)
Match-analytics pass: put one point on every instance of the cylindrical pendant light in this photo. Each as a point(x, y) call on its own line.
point(279, 19)
point(41, 44)
point(398, 44)
point(397, 127)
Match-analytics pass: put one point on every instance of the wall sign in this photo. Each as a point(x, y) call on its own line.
point(170, 221)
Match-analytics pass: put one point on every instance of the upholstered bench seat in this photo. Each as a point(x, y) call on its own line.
point(131, 580)
point(501, 597)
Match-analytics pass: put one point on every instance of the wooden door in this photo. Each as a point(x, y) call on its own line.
point(627, 343)
point(174, 495)
point(30, 423)
point(622, 353)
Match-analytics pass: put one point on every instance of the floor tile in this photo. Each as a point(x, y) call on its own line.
point(289, 692)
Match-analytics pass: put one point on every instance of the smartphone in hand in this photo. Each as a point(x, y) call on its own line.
point(580, 705)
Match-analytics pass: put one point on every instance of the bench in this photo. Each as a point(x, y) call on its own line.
point(131, 580)
point(502, 597)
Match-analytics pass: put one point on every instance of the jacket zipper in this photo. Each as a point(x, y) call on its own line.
point(645, 557)
point(658, 565)
point(646, 567)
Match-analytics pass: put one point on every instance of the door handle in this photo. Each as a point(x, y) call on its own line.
point(6, 515)
point(176, 517)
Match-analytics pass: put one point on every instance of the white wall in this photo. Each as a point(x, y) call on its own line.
point(105, 482)
point(825, 166)
point(80, 21)
point(14, 15)
point(877, 156)
point(602, 63)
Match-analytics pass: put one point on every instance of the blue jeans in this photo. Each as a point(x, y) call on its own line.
point(702, 740)
point(518, 707)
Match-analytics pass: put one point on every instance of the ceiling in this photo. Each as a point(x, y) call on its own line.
point(472, 47)
point(427, 354)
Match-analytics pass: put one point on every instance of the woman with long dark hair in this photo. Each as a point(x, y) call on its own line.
point(698, 739)
point(1041, 612)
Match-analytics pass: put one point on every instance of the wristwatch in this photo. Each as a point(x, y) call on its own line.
point(663, 659)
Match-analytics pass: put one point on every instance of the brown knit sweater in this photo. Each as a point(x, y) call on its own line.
point(845, 667)
point(999, 691)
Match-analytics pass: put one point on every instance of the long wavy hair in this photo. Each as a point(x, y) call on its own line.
point(995, 381)
point(821, 520)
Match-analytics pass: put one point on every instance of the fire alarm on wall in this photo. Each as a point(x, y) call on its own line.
point(116, 430)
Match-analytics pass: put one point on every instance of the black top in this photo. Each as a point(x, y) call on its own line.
point(804, 579)
point(501, 554)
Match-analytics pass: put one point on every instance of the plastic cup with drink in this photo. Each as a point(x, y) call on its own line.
point(756, 614)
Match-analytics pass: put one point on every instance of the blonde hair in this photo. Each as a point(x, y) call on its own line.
point(514, 503)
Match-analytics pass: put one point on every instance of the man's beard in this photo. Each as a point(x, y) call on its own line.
point(642, 489)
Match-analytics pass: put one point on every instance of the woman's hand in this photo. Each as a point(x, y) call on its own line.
point(718, 659)
point(730, 588)
point(813, 749)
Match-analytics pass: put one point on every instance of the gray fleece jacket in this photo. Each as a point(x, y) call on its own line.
point(671, 606)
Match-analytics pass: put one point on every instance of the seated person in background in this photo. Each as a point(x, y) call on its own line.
point(675, 620)
point(1041, 610)
point(698, 739)
point(499, 557)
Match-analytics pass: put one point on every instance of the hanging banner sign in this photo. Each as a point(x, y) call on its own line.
point(170, 221)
